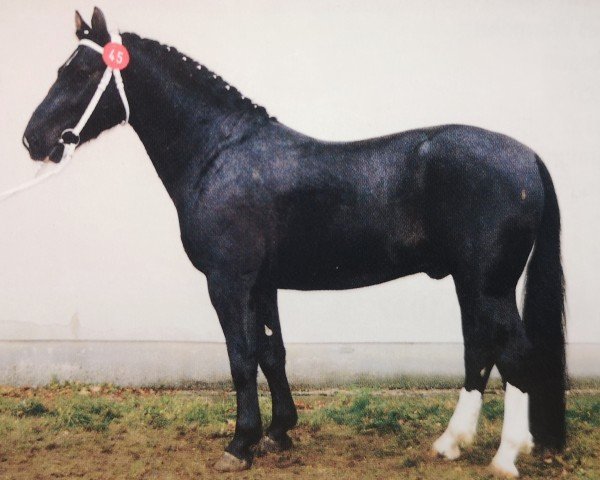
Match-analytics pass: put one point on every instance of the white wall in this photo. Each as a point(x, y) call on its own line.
point(95, 252)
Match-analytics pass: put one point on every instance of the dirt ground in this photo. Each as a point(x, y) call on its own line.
point(104, 432)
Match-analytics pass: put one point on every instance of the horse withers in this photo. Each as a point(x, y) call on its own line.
point(262, 207)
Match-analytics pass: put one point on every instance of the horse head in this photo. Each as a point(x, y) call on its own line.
point(53, 121)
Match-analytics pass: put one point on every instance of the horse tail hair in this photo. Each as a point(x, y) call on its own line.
point(544, 318)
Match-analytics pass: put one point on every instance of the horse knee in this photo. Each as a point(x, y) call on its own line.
point(244, 369)
point(243, 375)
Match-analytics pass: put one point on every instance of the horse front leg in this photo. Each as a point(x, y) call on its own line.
point(234, 302)
point(271, 358)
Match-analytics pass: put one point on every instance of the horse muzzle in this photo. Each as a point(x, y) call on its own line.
point(38, 151)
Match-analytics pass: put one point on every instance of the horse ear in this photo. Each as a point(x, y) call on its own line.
point(80, 25)
point(99, 22)
point(99, 29)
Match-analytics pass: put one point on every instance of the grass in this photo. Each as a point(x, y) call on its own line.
point(103, 432)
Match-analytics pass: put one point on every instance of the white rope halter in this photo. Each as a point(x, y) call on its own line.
point(70, 137)
point(69, 147)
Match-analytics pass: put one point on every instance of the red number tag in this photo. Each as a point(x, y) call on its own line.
point(115, 56)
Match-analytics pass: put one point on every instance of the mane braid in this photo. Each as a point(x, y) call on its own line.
point(198, 76)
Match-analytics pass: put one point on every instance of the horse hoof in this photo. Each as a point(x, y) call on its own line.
point(527, 446)
point(268, 445)
point(445, 447)
point(501, 470)
point(230, 463)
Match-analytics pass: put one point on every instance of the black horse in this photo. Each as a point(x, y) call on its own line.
point(262, 207)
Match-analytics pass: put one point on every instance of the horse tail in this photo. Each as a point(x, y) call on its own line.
point(544, 318)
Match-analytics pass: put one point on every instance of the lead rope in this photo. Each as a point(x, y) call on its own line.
point(69, 138)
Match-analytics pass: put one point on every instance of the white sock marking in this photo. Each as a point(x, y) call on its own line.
point(515, 432)
point(462, 426)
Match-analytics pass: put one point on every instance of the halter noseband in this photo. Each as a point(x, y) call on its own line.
point(70, 137)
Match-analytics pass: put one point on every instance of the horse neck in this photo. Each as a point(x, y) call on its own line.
point(182, 125)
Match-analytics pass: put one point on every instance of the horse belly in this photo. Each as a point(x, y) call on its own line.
point(347, 262)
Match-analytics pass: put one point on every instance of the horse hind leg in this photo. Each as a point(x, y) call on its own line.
point(514, 364)
point(462, 426)
point(494, 334)
point(478, 357)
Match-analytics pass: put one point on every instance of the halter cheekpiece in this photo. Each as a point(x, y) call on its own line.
point(115, 57)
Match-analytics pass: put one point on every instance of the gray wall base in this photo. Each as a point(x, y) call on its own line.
point(31, 363)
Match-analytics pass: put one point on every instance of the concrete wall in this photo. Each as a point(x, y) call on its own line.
point(94, 254)
point(183, 363)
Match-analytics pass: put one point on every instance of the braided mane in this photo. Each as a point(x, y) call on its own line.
point(195, 75)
